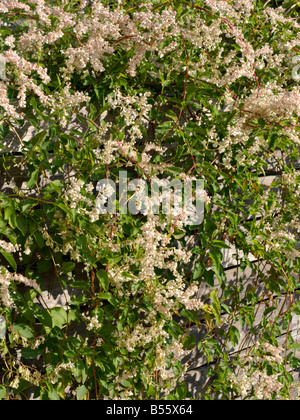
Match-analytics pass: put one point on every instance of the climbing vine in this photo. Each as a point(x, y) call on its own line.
point(125, 99)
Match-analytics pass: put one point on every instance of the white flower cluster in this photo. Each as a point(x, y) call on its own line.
point(6, 6)
point(9, 247)
point(67, 101)
point(28, 243)
point(81, 202)
point(203, 196)
point(278, 235)
point(93, 323)
point(107, 154)
point(278, 16)
point(54, 376)
point(105, 193)
point(6, 279)
point(133, 108)
point(25, 70)
point(10, 41)
point(273, 103)
point(159, 32)
point(258, 381)
point(4, 102)
point(24, 373)
point(263, 384)
point(164, 295)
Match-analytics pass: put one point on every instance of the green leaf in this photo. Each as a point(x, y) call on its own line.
point(25, 331)
point(103, 279)
point(210, 278)
point(215, 306)
point(151, 391)
point(68, 267)
point(80, 300)
point(220, 244)
point(174, 170)
point(28, 353)
point(56, 185)
point(37, 138)
point(272, 141)
point(189, 342)
point(216, 257)
point(171, 114)
point(296, 308)
point(21, 224)
point(43, 266)
point(226, 308)
point(28, 204)
point(82, 392)
point(110, 298)
point(269, 310)
point(2, 392)
point(188, 315)
point(4, 130)
point(10, 215)
point(22, 386)
point(80, 284)
point(8, 256)
point(93, 111)
point(39, 238)
point(198, 270)
point(53, 395)
point(45, 318)
point(105, 296)
point(33, 179)
point(80, 371)
point(234, 335)
point(59, 317)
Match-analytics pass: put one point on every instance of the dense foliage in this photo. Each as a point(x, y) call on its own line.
point(162, 90)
